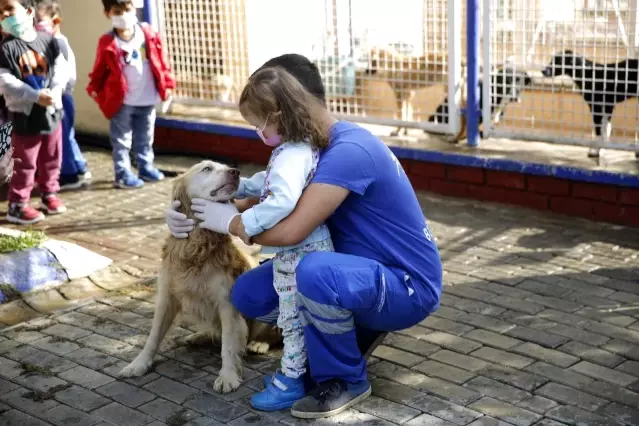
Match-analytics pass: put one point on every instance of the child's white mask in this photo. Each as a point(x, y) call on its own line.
point(126, 21)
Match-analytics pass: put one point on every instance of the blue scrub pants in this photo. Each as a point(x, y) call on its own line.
point(337, 293)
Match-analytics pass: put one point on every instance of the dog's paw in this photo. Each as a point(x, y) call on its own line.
point(198, 339)
point(227, 382)
point(257, 347)
point(137, 368)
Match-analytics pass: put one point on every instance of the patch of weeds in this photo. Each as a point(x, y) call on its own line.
point(40, 396)
point(99, 321)
point(177, 419)
point(26, 240)
point(35, 369)
point(58, 339)
point(10, 293)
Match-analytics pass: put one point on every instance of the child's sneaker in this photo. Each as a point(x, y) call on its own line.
point(23, 214)
point(129, 181)
point(69, 182)
point(151, 174)
point(52, 204)
point(282, 392)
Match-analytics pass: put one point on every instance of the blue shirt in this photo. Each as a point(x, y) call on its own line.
point(381, 218)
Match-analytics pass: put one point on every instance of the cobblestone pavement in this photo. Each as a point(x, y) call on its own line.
point(538, 325)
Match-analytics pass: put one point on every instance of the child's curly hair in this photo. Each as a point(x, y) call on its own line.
point(275, 94)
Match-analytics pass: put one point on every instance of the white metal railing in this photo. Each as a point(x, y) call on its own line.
point(382, 64)
point(579, 102)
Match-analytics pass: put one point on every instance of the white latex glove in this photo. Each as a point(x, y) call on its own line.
point(214, 216)
point(178, 224)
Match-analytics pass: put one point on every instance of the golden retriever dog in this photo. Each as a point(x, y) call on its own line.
point(196, 278)
point(407, 74)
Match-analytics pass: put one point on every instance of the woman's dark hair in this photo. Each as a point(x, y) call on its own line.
point(305, 71)
point(275, 95)
point(108, 4)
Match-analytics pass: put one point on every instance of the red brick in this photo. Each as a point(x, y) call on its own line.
point(505, 179)
point(594, 191)
point(509, 196)
point(616, 213)
point(423, 168)
point(420, 183)
point(548, 185)
point(465, 174)
point(572, 207)
point(443, 187)
point(629, 196)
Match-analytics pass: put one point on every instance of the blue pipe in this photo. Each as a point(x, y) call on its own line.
point(147, 11)
point(472, 51)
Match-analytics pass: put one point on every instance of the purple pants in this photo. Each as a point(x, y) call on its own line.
point(41, 152)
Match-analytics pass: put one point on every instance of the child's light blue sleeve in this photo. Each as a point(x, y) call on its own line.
point(251, 187)
point(286, 182)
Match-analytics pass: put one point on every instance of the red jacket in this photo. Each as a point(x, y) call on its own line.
point(107, 84)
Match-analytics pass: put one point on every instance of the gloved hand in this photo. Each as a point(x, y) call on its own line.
point(214, 216)
point(178, 224)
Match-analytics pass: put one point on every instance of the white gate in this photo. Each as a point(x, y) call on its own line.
point(569, 49)
point(382, 64)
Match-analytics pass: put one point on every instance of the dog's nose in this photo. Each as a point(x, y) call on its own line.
point(234, 172)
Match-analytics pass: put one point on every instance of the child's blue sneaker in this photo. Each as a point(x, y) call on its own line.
point(151, 174)
point(280, 393)
point(128, 181)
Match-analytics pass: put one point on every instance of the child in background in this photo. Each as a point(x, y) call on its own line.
point(74, 173)
point(129, 78)
point(33, 75)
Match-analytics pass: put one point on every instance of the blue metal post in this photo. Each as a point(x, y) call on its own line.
point(147, 11)
point(472, 50)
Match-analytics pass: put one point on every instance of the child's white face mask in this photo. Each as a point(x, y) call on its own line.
point(126, 21)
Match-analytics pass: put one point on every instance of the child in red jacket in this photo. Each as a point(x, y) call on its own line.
point(129, 78)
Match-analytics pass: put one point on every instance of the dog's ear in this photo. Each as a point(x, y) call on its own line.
point(181, 194)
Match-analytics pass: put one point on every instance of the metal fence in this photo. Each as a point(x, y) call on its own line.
point(382, 64)
point(574, 62)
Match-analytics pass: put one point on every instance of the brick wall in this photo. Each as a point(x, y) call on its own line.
point(598, 202)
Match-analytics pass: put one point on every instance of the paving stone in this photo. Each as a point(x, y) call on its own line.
point(611, 317)
point(559, 375)
point(506, 412)
point(113, 278)
point(543, 288)
point(443, 371)
point(81, 398)
point(441, 388)
point(39, 383)
point(4, 407)
point(492, 339)
point(8, 345)
point(469, 292)
point(9, 369)
point(395, 392)
point(255, 418)
point(489, 421)
point(590, 353)
point(629, 367)
point(570, 396)
point(67, 416)
point(519, 379)
point(204, 421)
point(458, 360)
point(497, 390)
point(214, 407)
point(579, 335)
point(408, 344)
point(18, 418)
point(131, 319)
point(397, 356)
point(555, 303)
point(517, 304)
point(164, 410)
point(16, 312)
point(442, 324)
point(577, 416)
point(507, 359)
point(120, 415)
point(6, 386)
point(106, 345)
point(22, 335)
point(622, 413)
point(56, 345)
point(65, 331)
point(387, 410)
point(428, 420)
point(79, 289)
point(540, 337)
point(535, 322)
point(488, 323)
point(178, 371)
point(171, 390)
point(623, 348)
point(126, 394)
point(549, 422)
point(550, 356)
point(48, 301)
point(76, 318)
point(91, 358)
point(452, 342)
point(445, 410)
point(537, 404)
point(613, 393)
point(22, 400)
point(44, 359)
point(602, 373)
point(85, 377)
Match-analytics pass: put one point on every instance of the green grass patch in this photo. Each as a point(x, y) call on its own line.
point(26, 240)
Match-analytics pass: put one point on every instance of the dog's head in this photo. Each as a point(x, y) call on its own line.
point(509, 83)
point(562, 63)
point(208, 180)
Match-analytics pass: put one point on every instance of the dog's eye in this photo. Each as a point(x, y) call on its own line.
point(207, 169)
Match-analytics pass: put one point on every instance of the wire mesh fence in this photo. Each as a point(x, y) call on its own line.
point(572, 64)
point(381, 64)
